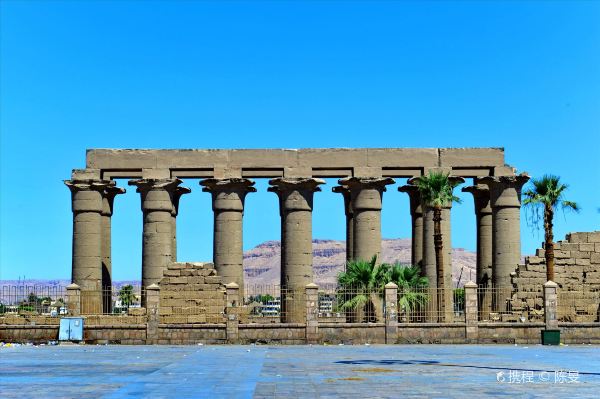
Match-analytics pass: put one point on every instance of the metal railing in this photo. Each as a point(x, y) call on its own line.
point(431, 305)
point(350, 305)
point(111, 300)
point(274, 304)
point(33, 300)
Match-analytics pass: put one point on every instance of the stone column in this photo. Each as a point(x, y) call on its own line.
point(505, 199)
point(349, 220)
point(157, 244)
point(295, 207)
point(416, 214)
point(152, 311)
point(73, 300)
point(232, 291)
point(483, 214)
point(391, 313)
point(179, 191)
point(471, 314)
point(86, 197)
point(366, 197)
point(550, 305)
point(108, 197)
point(312, 313)
point(228, 197)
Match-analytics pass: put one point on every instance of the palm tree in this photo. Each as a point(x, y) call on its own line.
point(410, 284)
point(436, 190)
point(361, 280)
point(126, 295)
point(547, 194)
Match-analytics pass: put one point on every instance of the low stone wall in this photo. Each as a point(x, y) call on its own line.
point(37, 334)
point(431, 333)
point(580, 333)
point(510, 333)
point(352, 333)
point(286, 334)
point(178, 334)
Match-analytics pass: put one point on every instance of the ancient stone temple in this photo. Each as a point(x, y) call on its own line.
point(295, 176)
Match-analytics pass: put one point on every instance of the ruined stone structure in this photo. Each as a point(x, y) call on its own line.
point(295, 178)
point(577, 274)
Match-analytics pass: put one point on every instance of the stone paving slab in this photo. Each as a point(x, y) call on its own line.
point(375, 371)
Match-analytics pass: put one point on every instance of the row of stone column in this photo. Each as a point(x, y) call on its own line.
point(497, 203)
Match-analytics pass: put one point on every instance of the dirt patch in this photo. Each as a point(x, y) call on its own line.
point(374, 370)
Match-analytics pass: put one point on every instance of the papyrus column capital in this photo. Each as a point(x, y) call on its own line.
point(228, 194)
point(505, 191)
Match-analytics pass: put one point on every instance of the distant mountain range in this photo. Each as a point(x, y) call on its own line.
point(262, 263)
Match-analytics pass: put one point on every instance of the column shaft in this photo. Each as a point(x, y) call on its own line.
point(157, 238)
point(296, 204)
point(349, 220)
point(505, 198)
point(228, 205)
point(86, 196)
point(416, 215)
point(108, 196)
point(179, 191)
point(366, 199)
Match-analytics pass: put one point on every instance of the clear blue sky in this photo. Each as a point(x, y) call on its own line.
point(80, 74)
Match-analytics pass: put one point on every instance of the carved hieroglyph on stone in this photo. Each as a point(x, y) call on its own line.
point(228, 196)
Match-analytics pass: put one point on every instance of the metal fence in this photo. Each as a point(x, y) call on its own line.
point(274, 304)
point(111, 300)
point(350, 305)
point(431, 305)
point(506, 304)
point(33, 300)
point(578, 306)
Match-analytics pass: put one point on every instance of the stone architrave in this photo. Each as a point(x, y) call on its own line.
point(157, 244)
point(349, 219)
point(108, 197)
point(366, 196)
point(295, 207)
point(86, 200)
point(179, 191)
point(505, 199)
point(416, 214)
point(228, 196)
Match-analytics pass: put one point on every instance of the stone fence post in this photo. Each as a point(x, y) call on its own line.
point(232, 312)
point(471, 313)
point(550, 305)
point(73, 300)
point(312, 313)
point(391, 313)
point(152, 311)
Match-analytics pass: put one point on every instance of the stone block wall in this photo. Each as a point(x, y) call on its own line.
point(577, 273)
point(191, 293)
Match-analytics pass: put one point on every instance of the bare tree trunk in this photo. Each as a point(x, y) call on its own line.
point(439, 260)
point(549, 242)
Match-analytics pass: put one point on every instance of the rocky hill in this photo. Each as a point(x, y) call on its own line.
point(261, 263)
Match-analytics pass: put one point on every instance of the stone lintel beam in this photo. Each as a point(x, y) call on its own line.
point(366, 196)
point(228, 196)
point(157, 245)
point(505, 200)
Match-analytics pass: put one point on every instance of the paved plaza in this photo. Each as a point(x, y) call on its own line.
point(375, 371)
